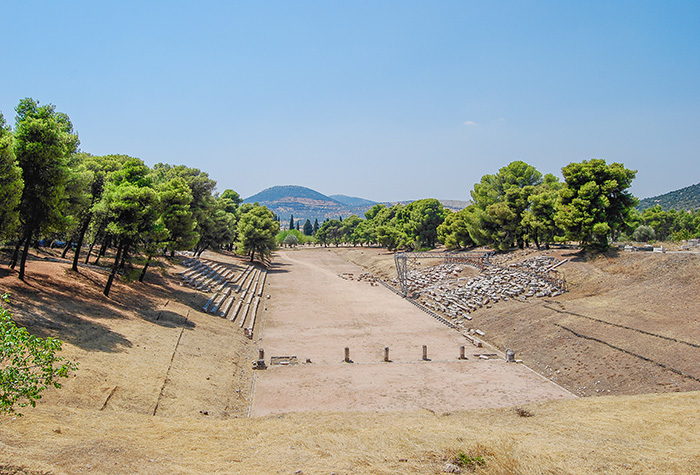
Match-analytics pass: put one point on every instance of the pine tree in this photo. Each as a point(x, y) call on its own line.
point(308, 228)
point(43, 141)
point(11, 183)
point(594, 202)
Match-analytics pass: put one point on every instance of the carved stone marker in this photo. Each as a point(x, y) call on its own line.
point(386, 354)
point(510, 356)
point(461, 353)
point(260, 362)
point(347, 355)
point(425, 353)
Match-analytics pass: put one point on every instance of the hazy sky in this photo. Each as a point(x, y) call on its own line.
point(385, 100)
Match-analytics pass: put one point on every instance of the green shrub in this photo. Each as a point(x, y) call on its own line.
point(28, 364)
point(466, 461)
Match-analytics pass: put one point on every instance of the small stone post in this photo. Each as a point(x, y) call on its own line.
point(347, 355)
point(461, 353)
point(425, 352)
point(386, 354)
point(260, 362)
point(510, 356)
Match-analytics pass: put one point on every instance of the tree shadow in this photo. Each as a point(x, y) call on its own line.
point(67, 305)
point(581, 255)
point(85, 334)
point(166, 318)
point(55, 301)
point(69, 294)
point(278, 268)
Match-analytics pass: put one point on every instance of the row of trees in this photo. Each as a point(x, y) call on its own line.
point(50, 189)
point(412, 226)
point(518, 206)
point(307, 228)
point(656, 224)
point(514, 207)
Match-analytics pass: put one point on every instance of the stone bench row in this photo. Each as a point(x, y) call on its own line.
point(246, 292)
point(251, 321)
point(236, 296)
point(221, 301)
point(202, 275)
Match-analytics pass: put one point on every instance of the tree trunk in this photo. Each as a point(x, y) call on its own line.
point(143, 272)
point(79, 244)
point(15, 255)
point(103, 250)
point(25, 251)
point(108, 286)
point(87, 258)
point(125, 253)
point(65, 248)
point(199, 251)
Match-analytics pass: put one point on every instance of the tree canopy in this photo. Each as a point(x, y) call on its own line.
point(50, 189)
point(500, 201)
point(43, 142)
point(257, 229)
point(594, 202)
point(11, 183)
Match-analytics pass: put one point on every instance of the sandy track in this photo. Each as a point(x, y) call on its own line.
point(316, 310)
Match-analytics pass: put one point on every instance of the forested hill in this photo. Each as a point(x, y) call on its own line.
point(304, 203)
point(290, 193)
point(685, 198)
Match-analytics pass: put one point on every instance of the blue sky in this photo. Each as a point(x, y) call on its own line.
point(386, 100)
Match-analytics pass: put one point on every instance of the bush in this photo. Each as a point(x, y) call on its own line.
point(644, 234)
point(469, 462)
point(292, 237)
point(28, 364)
point(290, 240)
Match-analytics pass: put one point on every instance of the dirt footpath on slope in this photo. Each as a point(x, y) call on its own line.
point(317, 308)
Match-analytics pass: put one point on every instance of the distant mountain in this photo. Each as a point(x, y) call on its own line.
point(685, 198)
point(455, 205)
point(304, 203)
point(352, 201)
point(289, 192)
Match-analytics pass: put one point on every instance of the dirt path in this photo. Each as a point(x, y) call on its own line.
point(318, 307)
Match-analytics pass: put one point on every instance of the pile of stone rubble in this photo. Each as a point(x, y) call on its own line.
point(364, 277)
point(441, 288)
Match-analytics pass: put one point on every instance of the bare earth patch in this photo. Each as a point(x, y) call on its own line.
point(628, 325)
point(318, 307)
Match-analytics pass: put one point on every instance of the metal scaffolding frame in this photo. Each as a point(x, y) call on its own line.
point(477, 259)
